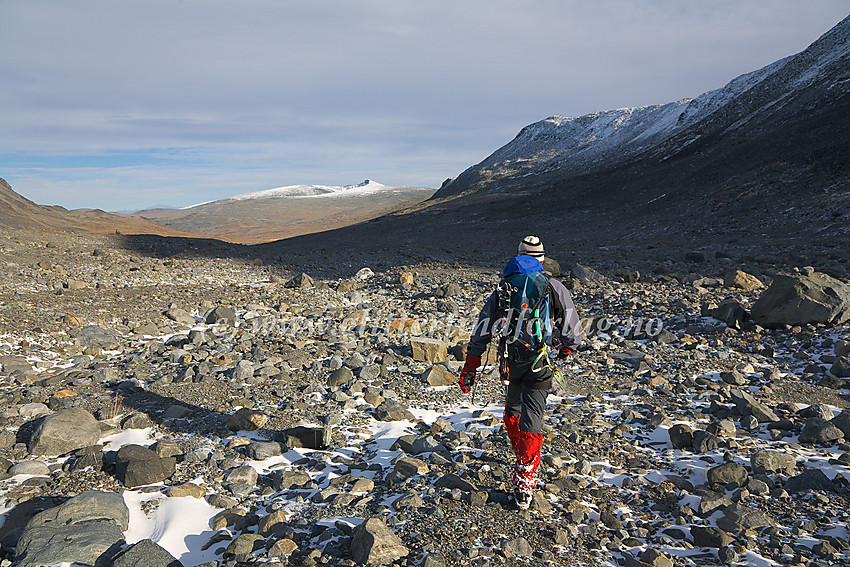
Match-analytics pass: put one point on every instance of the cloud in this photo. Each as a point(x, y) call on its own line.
point(400, 91)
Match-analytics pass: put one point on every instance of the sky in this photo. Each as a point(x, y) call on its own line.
point(124, 105)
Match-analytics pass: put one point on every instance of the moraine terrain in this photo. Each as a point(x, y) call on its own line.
point(710, 442)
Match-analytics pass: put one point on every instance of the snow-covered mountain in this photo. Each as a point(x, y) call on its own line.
point(367, 187)
point(581, 145)
point(261, 216)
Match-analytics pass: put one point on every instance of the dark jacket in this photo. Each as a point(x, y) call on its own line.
point(563, 313)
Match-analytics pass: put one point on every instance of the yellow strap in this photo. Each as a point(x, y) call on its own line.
point(544, 355)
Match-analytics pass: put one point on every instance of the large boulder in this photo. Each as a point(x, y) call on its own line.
point(93, 336)
point(771, 462)
point(374, 543)
point(425, 349)
point(82, 544)
point(800, 299)
point(145, 553)
point(65, 431)
point(82, 530)
point(89, 506)
point(741, 280)
point(139, 466)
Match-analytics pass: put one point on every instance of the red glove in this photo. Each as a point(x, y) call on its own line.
point(467, 375)
point(564, 352)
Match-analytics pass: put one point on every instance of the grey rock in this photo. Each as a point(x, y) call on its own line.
point(585, 274)
point(83, 544)
point(705, 442)
point(727, 555)
point(817, 410)
point(665, 337)
point(723, 428)
point(758, 487)
point(145, 553)
point(33, 411)
point(29, 467)
point(748, 405)
point(518, 547)
point(800, 299)
point(737, 518)
point(245, 474)
point(681, 436)
point(551, 266)
point(136, 420)
point(842, 422)
point(841, 367)
point(180, 316)
point(447, 306)
point(727, 472)
point(176, 411)
point(427, 444)
point(438, 375)
point(705, 536)
point(355, 361)
point(731, 312)
point(260, 450)
point(222, 315)
point(88, 506)
point(243, 371)
point(65, 431)
point(301, 281)
point(734, 377)
point(809, 480)
point(408, 499)
point(284, 480)
point(434, 560)
point(451, 480)
point(139, 466)
point(391, 410)
point(166, 448)
point(710, 502)
point(369, 372)
point(93, 336)
point(821, 431)
point(374, 543)
point(450, 289)
point(341, 377)
point(770, 462)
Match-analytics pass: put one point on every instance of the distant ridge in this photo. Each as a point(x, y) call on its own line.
point(19, 212)
point(282, 212)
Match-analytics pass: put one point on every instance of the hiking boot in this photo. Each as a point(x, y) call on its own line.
point(522, 499)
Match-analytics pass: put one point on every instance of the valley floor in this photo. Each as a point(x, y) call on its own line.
point(164, 344)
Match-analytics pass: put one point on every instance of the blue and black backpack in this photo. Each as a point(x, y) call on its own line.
point(525, 325)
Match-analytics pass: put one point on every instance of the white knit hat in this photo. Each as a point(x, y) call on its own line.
point(531, 246)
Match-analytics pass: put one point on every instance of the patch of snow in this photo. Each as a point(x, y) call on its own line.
point(367, 187)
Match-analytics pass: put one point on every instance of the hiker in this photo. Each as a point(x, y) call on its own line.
point(527, 313)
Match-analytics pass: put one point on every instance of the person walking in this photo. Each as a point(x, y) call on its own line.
point(527, 313)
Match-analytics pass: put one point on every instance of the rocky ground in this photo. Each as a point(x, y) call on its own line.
point(249, 414)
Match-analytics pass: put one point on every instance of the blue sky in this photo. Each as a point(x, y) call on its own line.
point(123, 105)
